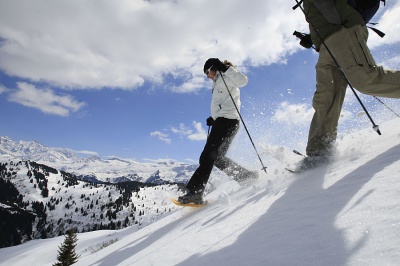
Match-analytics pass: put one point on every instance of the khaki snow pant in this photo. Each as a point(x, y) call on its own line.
point(349, 48)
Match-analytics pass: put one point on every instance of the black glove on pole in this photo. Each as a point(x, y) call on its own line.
point(305, 39)
point(210, 123)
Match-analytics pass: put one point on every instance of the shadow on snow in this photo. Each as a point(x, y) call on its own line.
point(299, 227)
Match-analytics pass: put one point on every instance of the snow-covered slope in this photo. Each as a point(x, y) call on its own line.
point(346, 213)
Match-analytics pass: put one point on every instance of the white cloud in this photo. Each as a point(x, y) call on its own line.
point(161, 136)
point(293, 114)
point(123, 43)
point(44, 100)
point(387, 18)
point(182, 130)
point(200, 132)
point(197, 134)
point(301, 114)
point(2, 89)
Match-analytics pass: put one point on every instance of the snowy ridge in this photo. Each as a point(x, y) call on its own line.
point(93, 168)
point(345, 213)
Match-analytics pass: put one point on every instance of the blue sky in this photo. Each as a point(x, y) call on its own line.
point(125, 79)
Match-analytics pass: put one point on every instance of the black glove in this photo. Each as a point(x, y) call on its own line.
point(218, 65)
point(305, 39)
point(210, 121)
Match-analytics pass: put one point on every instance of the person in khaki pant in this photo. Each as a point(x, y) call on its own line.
point(344, 33)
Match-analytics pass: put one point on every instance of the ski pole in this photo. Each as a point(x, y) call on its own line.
point(245, 127)
point(379, 100)
point(374, 126)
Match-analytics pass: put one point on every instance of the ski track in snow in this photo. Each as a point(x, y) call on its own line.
point(344, 213)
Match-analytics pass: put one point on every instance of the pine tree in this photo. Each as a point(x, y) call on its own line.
point(66, 253)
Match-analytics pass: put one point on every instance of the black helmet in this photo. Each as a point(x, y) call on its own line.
point(209, 63)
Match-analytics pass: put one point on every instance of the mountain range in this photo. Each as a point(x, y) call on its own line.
point(93, 168)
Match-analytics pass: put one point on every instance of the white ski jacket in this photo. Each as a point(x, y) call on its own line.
point(221, 103)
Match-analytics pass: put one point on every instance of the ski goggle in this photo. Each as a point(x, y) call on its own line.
point(208, 70)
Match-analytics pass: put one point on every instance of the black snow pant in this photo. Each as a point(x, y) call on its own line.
point(221, 136)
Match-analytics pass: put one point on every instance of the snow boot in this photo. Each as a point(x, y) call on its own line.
point(311, 162)
point(191, 197)
point(248, 176)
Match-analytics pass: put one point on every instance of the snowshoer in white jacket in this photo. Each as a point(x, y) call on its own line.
point(225, 124)
point(221, 103)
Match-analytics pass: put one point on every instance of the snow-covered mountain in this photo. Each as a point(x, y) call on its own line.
point(94, 168)
point(344, 213)
point(37, 201)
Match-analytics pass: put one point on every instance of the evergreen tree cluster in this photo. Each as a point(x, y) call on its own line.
point(15, 226)
point(15, 222)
